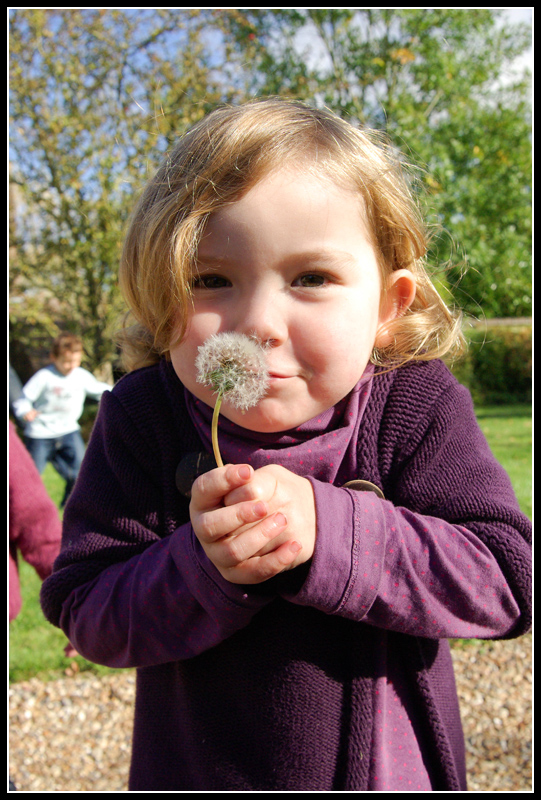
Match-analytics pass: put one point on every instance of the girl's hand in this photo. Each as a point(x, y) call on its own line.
point(253, 525)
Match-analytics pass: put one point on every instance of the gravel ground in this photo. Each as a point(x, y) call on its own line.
point(74, 734)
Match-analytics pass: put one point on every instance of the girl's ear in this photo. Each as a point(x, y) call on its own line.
point(399, 295)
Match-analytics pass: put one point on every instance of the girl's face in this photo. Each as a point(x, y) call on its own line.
point(291, 262)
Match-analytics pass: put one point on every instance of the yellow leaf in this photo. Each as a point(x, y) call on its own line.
point(434, 184)
point(403, 54)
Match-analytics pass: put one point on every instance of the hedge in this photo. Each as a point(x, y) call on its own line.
point(497, 367)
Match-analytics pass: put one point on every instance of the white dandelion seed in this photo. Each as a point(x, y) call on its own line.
point(233, 365)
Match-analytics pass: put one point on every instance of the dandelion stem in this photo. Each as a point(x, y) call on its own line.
point(232, 364)
point(214, 429)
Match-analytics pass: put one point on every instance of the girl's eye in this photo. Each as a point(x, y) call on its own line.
point(311, 280)
point(209, 282)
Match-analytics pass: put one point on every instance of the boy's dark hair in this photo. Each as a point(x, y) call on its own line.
point(66, 343)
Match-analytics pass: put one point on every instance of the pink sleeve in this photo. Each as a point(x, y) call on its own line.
point(35, 529)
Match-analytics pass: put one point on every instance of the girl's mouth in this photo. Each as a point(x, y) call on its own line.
point(277, 376)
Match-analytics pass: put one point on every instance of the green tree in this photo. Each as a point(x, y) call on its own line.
point(95, 97)
point(438, 81)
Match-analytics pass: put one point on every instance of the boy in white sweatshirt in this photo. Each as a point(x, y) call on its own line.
point(52, 403)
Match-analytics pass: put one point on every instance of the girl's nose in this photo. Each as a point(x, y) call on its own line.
point(262, 315)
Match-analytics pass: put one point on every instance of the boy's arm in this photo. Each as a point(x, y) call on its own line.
point(92, 386)
point(32, 390)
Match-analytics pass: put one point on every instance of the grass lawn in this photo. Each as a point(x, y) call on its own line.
point(508, 430)
point(37, 648)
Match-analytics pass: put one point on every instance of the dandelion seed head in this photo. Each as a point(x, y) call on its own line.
point(233, 365)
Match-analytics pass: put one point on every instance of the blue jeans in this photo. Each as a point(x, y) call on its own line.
point(64, 452)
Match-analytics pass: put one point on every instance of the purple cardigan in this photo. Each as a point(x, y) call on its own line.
point(278, 687)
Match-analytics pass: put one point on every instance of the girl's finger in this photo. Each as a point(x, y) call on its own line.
point(209, 489)
point(260, 568)
point(261, 486)
point(236, 549)
point(210, 526)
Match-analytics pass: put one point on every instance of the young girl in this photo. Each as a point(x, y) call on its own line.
point(289, 626)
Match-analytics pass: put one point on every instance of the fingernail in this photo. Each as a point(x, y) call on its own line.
point(259, 509)
point(244, 473)
point(295, 547)
point(279, 520)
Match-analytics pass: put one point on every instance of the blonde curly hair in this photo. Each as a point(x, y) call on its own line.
point(220, 159)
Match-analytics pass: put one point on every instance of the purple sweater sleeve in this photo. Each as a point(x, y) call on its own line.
point(403, 571)
point(132, 585)
point(169, 603)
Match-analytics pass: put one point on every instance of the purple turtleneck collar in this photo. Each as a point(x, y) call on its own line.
point(324, 448)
